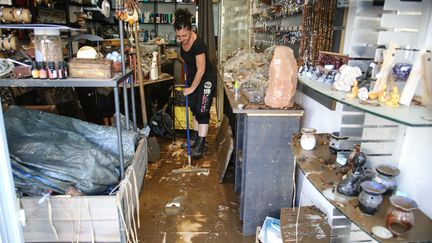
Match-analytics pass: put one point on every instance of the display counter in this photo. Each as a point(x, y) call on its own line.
point(319, 168)
point(262, 156)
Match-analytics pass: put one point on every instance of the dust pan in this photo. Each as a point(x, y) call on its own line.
point(189, 168)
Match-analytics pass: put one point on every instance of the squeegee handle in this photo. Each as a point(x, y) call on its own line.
point(187, 113)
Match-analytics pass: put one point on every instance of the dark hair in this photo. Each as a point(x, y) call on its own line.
point(182, 19)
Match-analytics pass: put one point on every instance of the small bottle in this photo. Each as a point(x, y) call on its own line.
point(236, 90)
point(35, 71)
point(66, 70)
point(61, 71)
point(52, 72)
point(43, 74)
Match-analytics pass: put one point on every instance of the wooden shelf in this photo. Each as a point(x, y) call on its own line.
point(319, 167)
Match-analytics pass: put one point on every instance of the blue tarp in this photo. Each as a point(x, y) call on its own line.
point(52, 152)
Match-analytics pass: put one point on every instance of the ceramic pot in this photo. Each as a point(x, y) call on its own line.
point(334, 142)
point(387, 176)
point(308, 139)
point(400, 217)
point(370, 198)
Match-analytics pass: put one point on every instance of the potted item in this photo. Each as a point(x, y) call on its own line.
point(308, 140)
point(400, 217)
point(370, 198)
point(387, 176)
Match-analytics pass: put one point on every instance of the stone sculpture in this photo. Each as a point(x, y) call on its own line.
point(346, 77)
point(282, 79)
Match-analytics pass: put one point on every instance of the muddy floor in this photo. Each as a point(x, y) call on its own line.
point(189, 207)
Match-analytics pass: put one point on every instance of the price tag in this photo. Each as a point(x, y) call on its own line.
point(377, 179)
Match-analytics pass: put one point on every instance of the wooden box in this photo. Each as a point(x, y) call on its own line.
point(90, 68)
point(83, 218)
point(332, 58)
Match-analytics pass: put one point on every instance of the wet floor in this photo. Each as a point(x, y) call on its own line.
point(188, 207)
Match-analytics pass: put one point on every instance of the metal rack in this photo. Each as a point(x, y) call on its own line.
point(79, 82)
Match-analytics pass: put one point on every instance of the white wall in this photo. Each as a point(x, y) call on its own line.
point(415, 165)
point(317, 116)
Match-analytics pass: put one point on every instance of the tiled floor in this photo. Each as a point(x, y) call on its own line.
point(208, 212)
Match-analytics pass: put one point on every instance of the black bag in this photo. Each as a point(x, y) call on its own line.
point(161, 124)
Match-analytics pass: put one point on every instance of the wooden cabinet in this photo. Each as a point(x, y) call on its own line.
point(263, 159)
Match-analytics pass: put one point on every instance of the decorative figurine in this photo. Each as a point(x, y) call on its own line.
point(394, 98)
point(382, 96)
point(363, 94)
point(354, 90)
point(350, 186)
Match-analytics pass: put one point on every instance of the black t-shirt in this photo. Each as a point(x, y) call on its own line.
point(197, 48)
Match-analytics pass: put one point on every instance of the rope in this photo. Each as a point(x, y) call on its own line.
point(130, 203)
point(70, 217)
point(91, 222)
point(79, 220)
point(120, 211)
point(128, 218)
point(136, 196)
point(300, 201)
point(50, 218)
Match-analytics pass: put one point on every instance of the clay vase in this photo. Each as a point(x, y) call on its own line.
point(387, 176)
point(308, 139)
point(334, 142)
point(400, 217)
point(370, 198)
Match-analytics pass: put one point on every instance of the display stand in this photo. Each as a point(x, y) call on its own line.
point(263, 159)
point(319, 167)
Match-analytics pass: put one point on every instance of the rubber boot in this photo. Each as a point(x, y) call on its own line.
point(193, 138)
point(198, 151)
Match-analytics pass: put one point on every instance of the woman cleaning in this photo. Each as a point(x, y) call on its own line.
point(201, 79)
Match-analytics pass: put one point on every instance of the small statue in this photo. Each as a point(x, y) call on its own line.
point(394, 98)
point(382, 96)
point(350, 186)
point(354, 90)
point(363, 94)
point(373, 95)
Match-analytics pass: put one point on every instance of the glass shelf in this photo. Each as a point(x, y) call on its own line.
point(413, 115)
point(325, 177)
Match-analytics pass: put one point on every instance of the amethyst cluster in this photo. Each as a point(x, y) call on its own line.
point(401, 71)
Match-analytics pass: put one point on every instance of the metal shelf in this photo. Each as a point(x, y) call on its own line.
point(70, 82)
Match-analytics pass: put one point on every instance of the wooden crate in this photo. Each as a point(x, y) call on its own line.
point(90, 68)
point(85, 217)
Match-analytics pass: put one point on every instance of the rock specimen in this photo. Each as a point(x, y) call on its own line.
point(346, 77)
point(282, 79)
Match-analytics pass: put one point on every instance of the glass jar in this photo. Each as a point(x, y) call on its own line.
point(400, 217)
point(308, 140)
point(48, 45)
point(370, 198)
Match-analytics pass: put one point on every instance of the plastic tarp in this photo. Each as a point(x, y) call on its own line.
point(52, 152)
